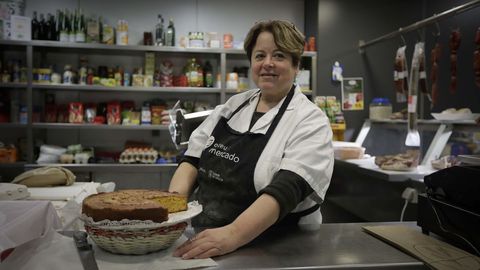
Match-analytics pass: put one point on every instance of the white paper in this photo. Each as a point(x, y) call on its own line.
point(58, 252)
point(23, 221)
point(157, 260)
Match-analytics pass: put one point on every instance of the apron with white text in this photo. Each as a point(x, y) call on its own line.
point(226, 170)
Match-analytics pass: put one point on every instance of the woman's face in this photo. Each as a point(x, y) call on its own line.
point(272, 70)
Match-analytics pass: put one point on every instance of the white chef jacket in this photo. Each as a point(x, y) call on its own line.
point(301, 143)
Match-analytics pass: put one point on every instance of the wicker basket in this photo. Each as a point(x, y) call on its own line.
point(135, 241)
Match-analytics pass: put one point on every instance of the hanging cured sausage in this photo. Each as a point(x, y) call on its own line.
point(422, 79)
point(435, 57)
point(476, 59)
point(400, 74)
point(454, 44)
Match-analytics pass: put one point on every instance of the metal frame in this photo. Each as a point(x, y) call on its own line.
point(439, 141)
point(430, 20)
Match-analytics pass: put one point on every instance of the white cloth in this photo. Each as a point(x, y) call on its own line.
point(301, 143)
point(24, 221)
point(67, 200)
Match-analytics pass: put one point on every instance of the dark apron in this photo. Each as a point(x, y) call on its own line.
point(226, 170)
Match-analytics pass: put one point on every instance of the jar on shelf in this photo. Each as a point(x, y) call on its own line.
point(380, 108)
point(67, 75)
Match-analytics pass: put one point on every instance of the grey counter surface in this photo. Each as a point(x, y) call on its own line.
point(326, 246)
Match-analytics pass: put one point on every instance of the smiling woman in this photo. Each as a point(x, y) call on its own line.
point(263, 158)
point(274, 49)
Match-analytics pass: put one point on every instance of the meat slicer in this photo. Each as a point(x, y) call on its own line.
point(183, 124)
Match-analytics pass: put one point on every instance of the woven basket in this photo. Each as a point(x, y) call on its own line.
point(135, 241)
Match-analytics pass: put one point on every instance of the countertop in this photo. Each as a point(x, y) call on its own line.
point(326, 246)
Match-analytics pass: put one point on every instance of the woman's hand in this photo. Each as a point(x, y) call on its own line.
point(209, 243)
point(222, 240)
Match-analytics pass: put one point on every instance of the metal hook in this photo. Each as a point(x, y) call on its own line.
point(419, 35)
point(437, 34)
point(404, 43)
point(400, 32)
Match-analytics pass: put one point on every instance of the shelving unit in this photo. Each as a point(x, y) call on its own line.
point(37, 51)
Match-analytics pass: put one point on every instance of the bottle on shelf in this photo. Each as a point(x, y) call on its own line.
point(83, 71)
point(48, 26)
point(58, 24)
point(208, 74)
point(80, 33)
point(159, 32)
point(35, 26)
point(71, 27)
point(192, 72)
point(100, 29)
point(200, 80)
point(53, 28)
point(42, 28)
point(170, 36)
point(63, 35)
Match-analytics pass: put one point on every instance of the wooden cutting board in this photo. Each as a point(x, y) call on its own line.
point(433, 252)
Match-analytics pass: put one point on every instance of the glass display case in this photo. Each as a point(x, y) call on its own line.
point(388, 137)
point(437, 139)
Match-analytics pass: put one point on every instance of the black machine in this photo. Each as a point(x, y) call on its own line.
point(183, 124)
point(451, 206)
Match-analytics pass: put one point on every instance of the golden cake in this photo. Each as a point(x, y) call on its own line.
point(133, 204)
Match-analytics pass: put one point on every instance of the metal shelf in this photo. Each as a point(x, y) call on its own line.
point(14, 42)
point(69, 87)
point(12, 125)
point(98, 126)
point(114, 167)
point(19, 164)
point(13, 85)
point(425, 121)
point(141, 48)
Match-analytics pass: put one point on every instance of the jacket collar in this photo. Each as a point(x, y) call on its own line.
point(241, 121)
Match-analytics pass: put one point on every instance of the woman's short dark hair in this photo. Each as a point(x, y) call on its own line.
point(286, 36)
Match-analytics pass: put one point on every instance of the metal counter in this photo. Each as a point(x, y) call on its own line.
point(327, 246)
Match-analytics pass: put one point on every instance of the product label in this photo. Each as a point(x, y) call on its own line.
point(412, 104)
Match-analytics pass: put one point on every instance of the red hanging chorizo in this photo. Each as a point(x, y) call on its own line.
point(435, 58)
point(476, 59)
point(454, 44)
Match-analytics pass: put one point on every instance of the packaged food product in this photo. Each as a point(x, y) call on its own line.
point(75, 112)
point(50, 113)
point(157, 114)
point(8, 154)
point(227, 40)
point(113, 113)
point(146, 115)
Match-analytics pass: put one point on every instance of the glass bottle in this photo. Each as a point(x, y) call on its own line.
point(170, 36)
point(208, 74)
point(58, 24)
point(200, 80)
point(41, 28)
point(63, 36)
point(35, 26)
point(48, 26)
point(71, 27)
point(80, 34)
point(159, 32)
point(192, 71)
